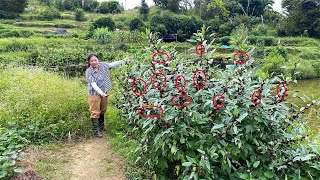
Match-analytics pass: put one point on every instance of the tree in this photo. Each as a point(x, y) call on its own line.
point(302, 15)
point(49, 14)
point(103, 22)
point(172, 5)
point(187, 4)
point(169, 23)
point(219, 9)
point(47, 2)
point(254, 7)
point(90, 5)
point(71, 4)
point(79, 15)
point(11, 8)
point(110, 7)
point(136, 24)
point(144, 10)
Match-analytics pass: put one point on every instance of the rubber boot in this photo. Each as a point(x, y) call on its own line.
point(101, 123)
point(95, 123)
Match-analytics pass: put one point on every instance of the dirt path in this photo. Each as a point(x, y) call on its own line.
point(91, 159)
point(95, 160)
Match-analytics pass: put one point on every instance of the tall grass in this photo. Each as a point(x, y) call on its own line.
point(300, 41)
point(49, 106)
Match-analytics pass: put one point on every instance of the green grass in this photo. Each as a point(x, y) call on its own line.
point(51, 107)
point(300, 41)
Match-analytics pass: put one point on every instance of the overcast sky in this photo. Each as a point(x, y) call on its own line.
point(130, 4)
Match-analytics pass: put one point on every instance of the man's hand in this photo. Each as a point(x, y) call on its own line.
point(104, 95)
point(128, 59)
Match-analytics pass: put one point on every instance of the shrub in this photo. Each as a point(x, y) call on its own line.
point(225, 29)
point(15, 33)
point(102, 35)
point(239, 141)
point(273, 64)
point(50, 14)
point(225, 40)
point(112, 7)
point(260, 30)
point(79, 15)
point(65, 25)
point(128, 37)
point(12, 8)
point(144, 10)
point(103, 22)
point(266, 40)
point(307, 71)
point(136, 24)
point(90, 5)
point(70, 4)
point(170, 23)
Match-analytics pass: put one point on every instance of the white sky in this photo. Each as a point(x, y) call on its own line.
point(277, 5)
point(130, 4)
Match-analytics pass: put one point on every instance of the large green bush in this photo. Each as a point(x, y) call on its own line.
point(90, 5)
point(70, 4)
point(103, 22)
point(79, 15)
point(165, 23)
point(241, 140)
point(12, 8)
point(112, 7)
point(266, 40)
point(136, 24)
point(50, 14)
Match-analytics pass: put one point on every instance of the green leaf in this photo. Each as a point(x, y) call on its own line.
point(192, 175)
point(235, 129)
point(268, 174)
point(201, 151)
point(187, 164)
point(173, 149)
point(2, 173)
point(10, 163)
point(18, 170)
point(162, 163)
point(191, 40)
point(217, 126)
point(242, 117)
point(244, 176)
point(207, 165)
point(256, 164)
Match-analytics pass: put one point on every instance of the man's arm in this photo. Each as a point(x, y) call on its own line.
point(95, 87)
point(117, 63)
point(92, 81)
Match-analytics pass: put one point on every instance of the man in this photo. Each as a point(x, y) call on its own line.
point(99, 83)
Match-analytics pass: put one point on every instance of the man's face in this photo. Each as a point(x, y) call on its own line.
point(94, 62)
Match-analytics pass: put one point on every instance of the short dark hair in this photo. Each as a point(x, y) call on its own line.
point(89, 57)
